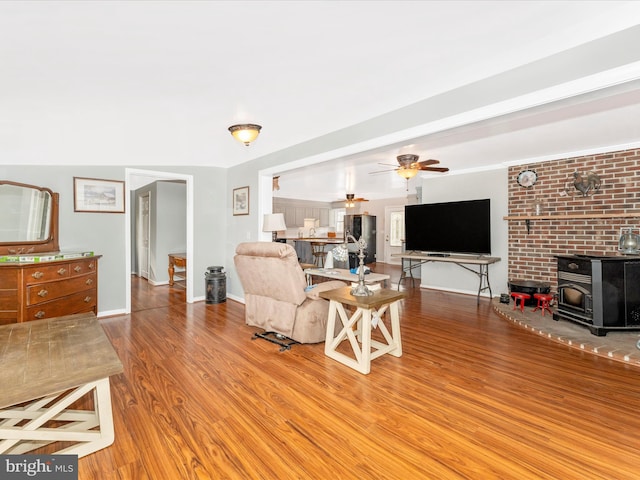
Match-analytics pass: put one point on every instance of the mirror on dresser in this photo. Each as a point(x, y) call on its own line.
point(28, 219)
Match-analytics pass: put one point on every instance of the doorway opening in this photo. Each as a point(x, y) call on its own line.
point(393, 234)
point(135, 179)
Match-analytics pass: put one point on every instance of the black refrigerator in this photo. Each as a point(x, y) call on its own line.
point(362, 226)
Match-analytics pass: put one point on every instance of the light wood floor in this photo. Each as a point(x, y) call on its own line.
point(472, 397)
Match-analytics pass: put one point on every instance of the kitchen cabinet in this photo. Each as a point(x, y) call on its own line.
point(296, 211)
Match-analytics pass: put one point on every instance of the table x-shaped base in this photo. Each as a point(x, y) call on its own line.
point(47, 420)
point(357, 329)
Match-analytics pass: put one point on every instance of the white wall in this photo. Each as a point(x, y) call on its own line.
point(489, 184)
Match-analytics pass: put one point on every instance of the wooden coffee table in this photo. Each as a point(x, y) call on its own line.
point(369, 313)
point(47, 366)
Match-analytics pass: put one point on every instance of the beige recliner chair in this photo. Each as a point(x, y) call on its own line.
point(274, 292)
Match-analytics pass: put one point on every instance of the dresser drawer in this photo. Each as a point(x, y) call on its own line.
point(180, 262)
point(45, 292)
point(82, 267)
point(77, 303)
point(45, 273)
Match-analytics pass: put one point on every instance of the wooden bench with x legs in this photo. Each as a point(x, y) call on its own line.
point(48, 370)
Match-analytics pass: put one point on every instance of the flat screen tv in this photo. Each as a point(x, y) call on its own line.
point(450, 227)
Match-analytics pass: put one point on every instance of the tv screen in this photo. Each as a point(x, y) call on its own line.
point(450, 227)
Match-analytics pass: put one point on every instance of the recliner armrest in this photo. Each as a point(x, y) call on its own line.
point(314, 293)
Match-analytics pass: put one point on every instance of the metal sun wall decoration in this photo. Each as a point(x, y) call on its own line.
point(583, 185)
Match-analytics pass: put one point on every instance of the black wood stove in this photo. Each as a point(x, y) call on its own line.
point(600, 292)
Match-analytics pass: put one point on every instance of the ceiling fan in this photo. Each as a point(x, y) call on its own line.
point(409, 166)
point(351, 200)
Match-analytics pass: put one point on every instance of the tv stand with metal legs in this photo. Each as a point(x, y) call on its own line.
point(416, 259)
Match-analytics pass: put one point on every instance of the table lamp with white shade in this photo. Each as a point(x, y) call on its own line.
point(274, 223)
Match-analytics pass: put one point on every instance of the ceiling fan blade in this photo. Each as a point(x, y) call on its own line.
point(387, 164)
point(383, 171)
point(431, 161)
point(360, 200)
point(434, 169)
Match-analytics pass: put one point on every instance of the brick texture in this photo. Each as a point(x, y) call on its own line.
point(531, 255)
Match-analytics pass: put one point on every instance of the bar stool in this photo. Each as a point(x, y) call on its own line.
point(543, 302)
point(318, 253)
point(519, 296)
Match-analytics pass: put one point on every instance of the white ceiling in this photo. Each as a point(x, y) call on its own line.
point(601, 121)
point(153, 83)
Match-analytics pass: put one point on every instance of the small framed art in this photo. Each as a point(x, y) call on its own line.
point(96, 195)
point(241, 201)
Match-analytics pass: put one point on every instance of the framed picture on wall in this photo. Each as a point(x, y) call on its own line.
point(95, 195)
point(241, 201)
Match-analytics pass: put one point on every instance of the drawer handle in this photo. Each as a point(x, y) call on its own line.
point(40, 314)
point(37, 275)
point(62, 271)
point(91, 265)
point(88, 281)
point(87, 299)
point(77, 268)
point(43, 293)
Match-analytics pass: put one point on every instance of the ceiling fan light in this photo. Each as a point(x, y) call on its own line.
point(246, 132)
point(350, 203)
point(407, 173)
point(407, 159)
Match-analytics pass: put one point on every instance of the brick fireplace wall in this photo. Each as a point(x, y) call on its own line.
point(531, 255)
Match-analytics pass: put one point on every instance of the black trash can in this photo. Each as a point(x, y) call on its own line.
point(215, 285)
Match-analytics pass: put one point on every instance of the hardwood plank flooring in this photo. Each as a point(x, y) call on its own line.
point(472, 397)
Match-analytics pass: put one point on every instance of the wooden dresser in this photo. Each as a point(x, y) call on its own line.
point(33, 291)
